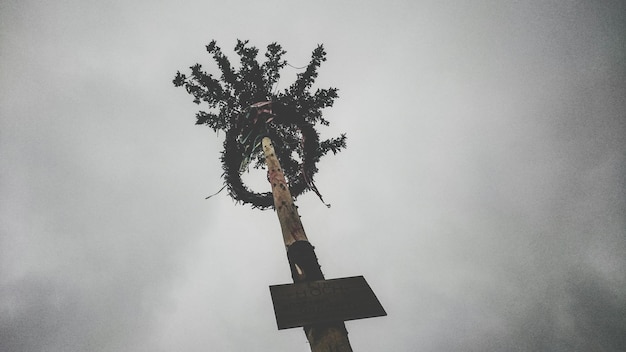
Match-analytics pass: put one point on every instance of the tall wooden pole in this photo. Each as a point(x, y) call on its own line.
point(328, 337)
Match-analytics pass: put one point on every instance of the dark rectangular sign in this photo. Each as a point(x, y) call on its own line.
point(324, 301)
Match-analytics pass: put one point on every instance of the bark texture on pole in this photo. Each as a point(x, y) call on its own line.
point(286, 209)
point(330, 337)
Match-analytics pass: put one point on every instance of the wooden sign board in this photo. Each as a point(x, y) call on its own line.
point(323, 301)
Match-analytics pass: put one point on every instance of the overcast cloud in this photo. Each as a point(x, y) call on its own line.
point(482, 193)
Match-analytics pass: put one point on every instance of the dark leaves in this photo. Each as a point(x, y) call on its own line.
point(236, 89)
point(179, 80)
point(334, 144)
point(228, 97)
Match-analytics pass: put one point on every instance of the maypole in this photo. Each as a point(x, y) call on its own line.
point(278, 130)
point(331, 336)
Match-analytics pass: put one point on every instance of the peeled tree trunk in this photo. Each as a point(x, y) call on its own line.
point(286, 209)
point(328, 337)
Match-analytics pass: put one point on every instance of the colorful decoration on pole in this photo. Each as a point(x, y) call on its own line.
point(243, 104)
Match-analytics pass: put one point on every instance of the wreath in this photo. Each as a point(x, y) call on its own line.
point(242, 104)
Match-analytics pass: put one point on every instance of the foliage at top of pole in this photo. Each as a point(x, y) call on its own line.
point(242, 103)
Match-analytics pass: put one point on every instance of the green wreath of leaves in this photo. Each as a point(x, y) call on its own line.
point(236, 105)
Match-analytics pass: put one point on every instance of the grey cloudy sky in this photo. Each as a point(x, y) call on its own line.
point(482, 193)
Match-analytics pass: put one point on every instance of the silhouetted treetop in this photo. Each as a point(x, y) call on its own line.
point(243, 102)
